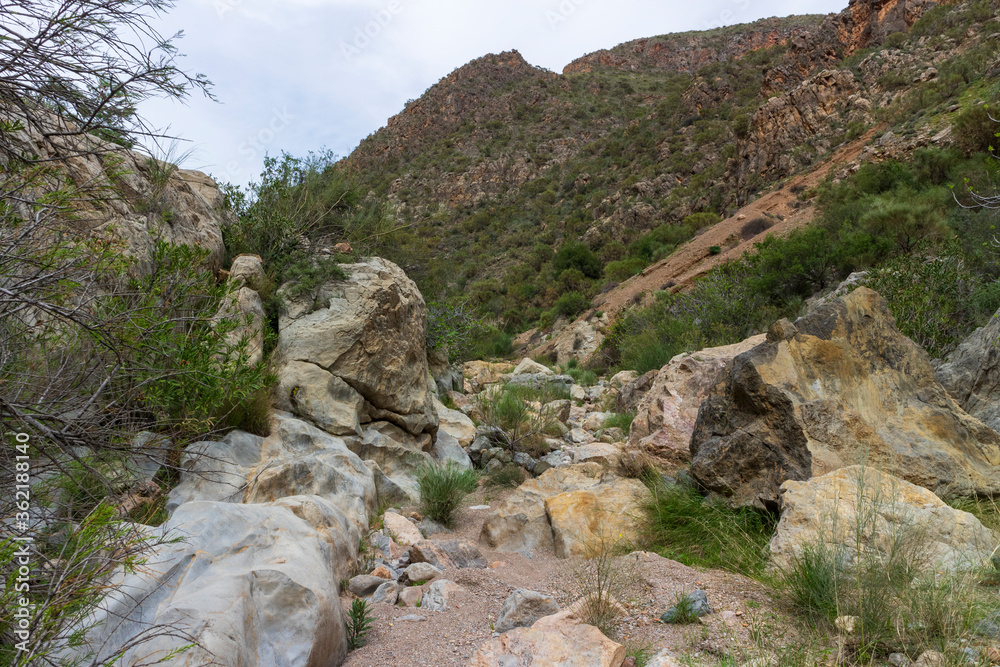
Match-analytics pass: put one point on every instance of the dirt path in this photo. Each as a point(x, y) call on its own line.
point(694, 258)
point(452, 637)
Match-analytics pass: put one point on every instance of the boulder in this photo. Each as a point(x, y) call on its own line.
point(446, 450)
point(388, 593)
point(529, 367)
point(250, 584)
point(248, 271)
point(411, 596)
point(308, 391)
point(364, 585)
point(559, 640)
point(439, 594)
point(604, 454)
point(296, 459)
point(369, 330)
point(456, 424)
point(401, 529)
point(826, 510)
point(397, 453)
point(583, 520)
point(840, 386)
point(565, 510)
point(245, 310)
point(387, 490)
point(419, 572)
point(522, 608)
point(971, 374)
point(667, 412)
point(630, 394)
point(540, 380)
point(478, 374)
point(447, 377)
point(445, 554)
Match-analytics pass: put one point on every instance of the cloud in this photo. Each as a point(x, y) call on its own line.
point(304, 74)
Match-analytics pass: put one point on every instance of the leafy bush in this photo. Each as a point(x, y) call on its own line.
point(621, 270)
point(571, 304)
point(453, 328)
point(975, 131)
point(442, 489)
point(576, 255)
point(359, 622)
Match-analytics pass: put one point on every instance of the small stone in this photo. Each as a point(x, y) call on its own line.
point(413, 618)
point(448, 554)
point(382, 572)
point(410, 596)
point(931, 659)
point(438, 595)
point(846, 624)
point(479, 507)
point(431, 527)
point(899, 660)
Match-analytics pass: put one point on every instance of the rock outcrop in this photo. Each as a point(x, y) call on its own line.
point(838, 387)
point(894, 515)
point(666, 414)
point(971, 374)
point(568, 511)
point(368, 331)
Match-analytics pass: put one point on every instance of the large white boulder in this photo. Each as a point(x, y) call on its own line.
point(368, 330)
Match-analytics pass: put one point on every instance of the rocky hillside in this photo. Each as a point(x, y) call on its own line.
point(499, 164)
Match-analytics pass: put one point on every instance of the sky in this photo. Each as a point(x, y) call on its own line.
point(305, 75)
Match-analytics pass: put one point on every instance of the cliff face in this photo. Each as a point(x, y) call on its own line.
point(500, 158)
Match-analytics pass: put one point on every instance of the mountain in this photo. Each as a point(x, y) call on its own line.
point(635, 149)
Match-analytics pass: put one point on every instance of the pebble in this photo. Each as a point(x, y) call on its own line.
point(412, 617)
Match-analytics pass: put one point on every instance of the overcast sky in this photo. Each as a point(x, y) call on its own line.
point(300, 75)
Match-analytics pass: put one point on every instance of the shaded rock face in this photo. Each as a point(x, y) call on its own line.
point(666, 414)
point(825, 510)
point(369, 331)
point(840, 386)
point(971, 374)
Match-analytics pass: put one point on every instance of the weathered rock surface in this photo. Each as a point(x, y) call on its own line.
point(667, 412)
point(296, 459)
point(523, 607)
point(252, 584)
point(420, 572)
point(439, 594)
point(971, 374)
point(368, 330)
point(559, 640)
point(825, 510)
point(840, 385)
point(448, 451)
point(312, 393)
point(531, 367)
point(401, 529)
point(397, 453)
point(563, 510)
point(631, 394)
point(456, 424)
point(447, 554)
point(478, 374)
point(245, 309)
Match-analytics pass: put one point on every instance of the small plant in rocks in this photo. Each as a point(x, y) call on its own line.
point(359, 622)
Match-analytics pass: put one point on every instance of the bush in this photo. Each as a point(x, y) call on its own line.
point(622, 420)
point(509, 476)
point(604, 579)
point(571, 304)
point(442, 489)
point(975, 131)
point(622, 270)
point(576, 255)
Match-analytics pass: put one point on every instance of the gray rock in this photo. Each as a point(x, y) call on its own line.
point(438, 595)
point(386, 488)
point(419, 572)
point(364, 585)
point(525, 461)
point(989, 626)
point(446, 449)
point(431, 527)
point(539, 380)
point(697, 603)
point(387, 592)
point(971, 374)
point(446, 554)
point(523, 607)
point(899, 660)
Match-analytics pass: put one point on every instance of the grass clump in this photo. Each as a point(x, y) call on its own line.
point(443, 488)
point(684, 526)
point(520, 413)
point(622, 420)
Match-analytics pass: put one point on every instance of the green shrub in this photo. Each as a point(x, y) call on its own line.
point(715, 250)
point(359, 623)
point(442, 489)
point(975, 131)
point(622, 270)
point(576, 255)
point(571, 304)
point(509, 476)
